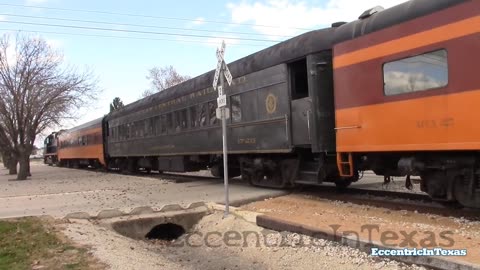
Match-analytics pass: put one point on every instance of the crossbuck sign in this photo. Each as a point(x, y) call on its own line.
point(222, 111)
point(221, 68)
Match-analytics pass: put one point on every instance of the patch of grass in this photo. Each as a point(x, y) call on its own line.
point(30, 241)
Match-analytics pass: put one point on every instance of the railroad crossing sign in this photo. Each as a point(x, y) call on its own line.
point(223, 112)
point(221, 67)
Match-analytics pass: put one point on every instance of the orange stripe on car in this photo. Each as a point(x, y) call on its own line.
point(436, 35)
point(444, 122)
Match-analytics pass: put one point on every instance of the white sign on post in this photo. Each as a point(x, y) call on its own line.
point(219, 114)
point(220, 54)
point(228, 75)
point(222, 101)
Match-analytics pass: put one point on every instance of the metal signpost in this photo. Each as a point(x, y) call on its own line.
point(223, 112)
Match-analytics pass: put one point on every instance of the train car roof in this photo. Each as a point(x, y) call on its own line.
point(395, 15)
point(83, 126)
point(286, 51)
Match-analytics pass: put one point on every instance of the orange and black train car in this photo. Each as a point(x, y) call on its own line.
point(82, 146)
point(407, 97)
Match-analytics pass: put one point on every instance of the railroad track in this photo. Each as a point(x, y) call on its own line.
point(393, 200)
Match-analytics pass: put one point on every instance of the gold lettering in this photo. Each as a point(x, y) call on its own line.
point(247, 140)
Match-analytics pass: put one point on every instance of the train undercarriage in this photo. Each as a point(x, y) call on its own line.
point(445, 177)
point(289, 170)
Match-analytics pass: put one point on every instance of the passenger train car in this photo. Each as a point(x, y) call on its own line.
point(406, 96)
point(392, 92)
point(272, 123)
point(82, 146)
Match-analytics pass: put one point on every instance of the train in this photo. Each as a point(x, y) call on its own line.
point(393, 92)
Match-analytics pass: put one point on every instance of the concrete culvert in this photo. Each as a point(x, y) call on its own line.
point(158, 226)
point(167, 231)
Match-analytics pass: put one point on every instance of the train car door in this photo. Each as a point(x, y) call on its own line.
point(301, 103)
point(320, 89)
point(313, 115)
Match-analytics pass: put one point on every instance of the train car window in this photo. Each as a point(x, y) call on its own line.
point(178, 121)
point(134, 130)
point(417, 73)
point(184, 119)
point(236, 108)
point(298, 79)
point(146, 127)
point(150, 122)
point(163, 124)
point(202, 117)
point(193, 117)
point(127, 131)
point(140, 129)
point(169, 122)
point(156, 126)
point(212, 106)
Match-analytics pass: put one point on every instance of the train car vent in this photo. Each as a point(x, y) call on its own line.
point(338, 24)
point(370, 12)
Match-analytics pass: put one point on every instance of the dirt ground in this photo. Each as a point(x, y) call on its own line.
point(58, 191)
point(392, 228)
point(222, 243)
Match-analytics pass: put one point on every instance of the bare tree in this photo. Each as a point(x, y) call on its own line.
point(116, 104)
point(37, 91)
point(163, 78)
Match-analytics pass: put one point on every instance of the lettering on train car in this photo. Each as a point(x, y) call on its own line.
point(433, 123)
point(247, 140)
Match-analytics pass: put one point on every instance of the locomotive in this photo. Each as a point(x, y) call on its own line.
point(393, 92)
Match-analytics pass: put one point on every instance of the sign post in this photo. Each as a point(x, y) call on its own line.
point(223, 112)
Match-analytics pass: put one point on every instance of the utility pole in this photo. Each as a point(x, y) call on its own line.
point(223, 113)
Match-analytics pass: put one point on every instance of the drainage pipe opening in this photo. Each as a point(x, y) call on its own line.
point(167, 231)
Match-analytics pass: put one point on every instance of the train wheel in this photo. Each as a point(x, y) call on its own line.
point(466, 190)
point(269, 173)
point(342, 183)
point(217, 171)
point(437, 184)
point(132, 166)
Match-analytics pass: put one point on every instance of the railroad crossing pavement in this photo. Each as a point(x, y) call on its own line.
point(59, 191)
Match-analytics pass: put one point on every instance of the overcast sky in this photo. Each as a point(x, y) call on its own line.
point(182, 33)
